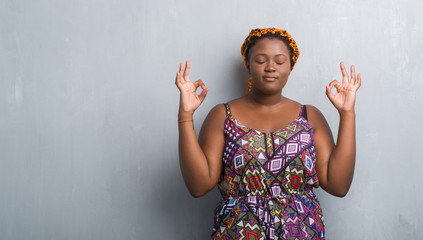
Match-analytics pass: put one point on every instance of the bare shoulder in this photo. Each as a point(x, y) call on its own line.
point(313, 111)
point(211, 133)
point(322, 133)
point(315, 117)
point(217, 112)
point(216, 117)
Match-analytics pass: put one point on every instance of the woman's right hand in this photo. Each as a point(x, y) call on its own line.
point(189, 99)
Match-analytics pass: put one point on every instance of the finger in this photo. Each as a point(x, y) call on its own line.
point(181, 70)
point(329, 87)
point(344, 73)
point(329, 93)
point(204, 91)
point(177, 78)
point(334, 82)
point(198, 83)
point(186, 72)
point(203, 94)
point(181, 67)
point(338, 87)
point(358, 81)
point(328, 90)
point(353, 74)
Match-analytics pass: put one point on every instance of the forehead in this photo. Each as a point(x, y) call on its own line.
point(270, 46)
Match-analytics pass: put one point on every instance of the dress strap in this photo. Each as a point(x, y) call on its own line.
point(228, 109)
point(304, 112)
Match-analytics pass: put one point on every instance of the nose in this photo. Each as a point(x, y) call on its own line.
point(270, 66)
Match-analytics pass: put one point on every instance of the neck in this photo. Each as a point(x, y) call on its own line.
point(266, 100)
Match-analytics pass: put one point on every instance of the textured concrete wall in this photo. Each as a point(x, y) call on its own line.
point(88, 109)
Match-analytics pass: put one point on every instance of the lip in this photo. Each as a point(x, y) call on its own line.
point(269, 78)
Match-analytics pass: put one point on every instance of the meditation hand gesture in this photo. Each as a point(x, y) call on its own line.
point(189, 99)
point(344, 98)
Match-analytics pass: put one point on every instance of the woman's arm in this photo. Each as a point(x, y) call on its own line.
point(335, 162)
point(200, 162)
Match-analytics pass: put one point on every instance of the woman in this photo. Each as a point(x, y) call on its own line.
point(264, 151)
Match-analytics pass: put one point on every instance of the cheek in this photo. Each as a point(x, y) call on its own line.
point(285, 70)
point(256, 68)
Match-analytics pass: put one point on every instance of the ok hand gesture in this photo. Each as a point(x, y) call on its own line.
point(189, 99)
point(344, 98)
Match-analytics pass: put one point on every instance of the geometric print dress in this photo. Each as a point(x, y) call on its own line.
point(267, 183)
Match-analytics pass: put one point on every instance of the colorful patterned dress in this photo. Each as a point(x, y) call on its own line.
point(267, 183)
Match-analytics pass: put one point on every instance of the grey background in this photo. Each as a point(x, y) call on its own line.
point(88, 110)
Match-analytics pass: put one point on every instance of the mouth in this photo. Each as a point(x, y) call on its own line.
point(269, 78)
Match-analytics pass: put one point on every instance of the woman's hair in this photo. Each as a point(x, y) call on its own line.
point(271, 33)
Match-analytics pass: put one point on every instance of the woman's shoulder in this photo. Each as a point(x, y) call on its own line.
point(217, 113)
point(312, 110)
point(218, 110)
point(225, 107)
point(315, 117)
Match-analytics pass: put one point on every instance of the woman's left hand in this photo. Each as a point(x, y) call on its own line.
point(344, 98)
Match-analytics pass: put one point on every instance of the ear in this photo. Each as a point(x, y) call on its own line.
point(248, 67)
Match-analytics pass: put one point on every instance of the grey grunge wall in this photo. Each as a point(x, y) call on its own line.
point(88, 110)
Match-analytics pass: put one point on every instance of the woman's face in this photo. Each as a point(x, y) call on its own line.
point(269, 65)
